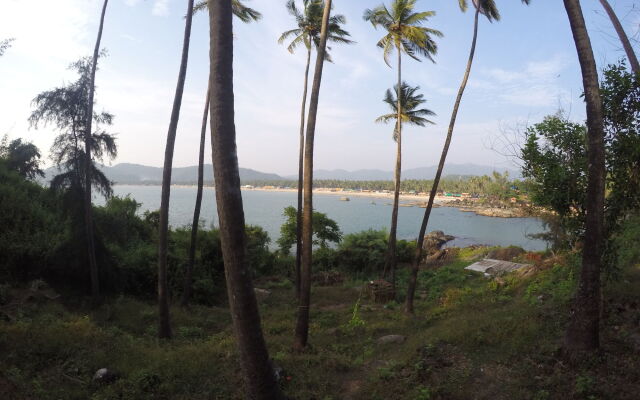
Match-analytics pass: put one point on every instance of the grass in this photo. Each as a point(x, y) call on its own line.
point(471, 338)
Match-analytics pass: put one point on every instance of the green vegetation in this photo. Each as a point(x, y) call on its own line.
point(471, 338)
point(466, 335)
point(496, 186)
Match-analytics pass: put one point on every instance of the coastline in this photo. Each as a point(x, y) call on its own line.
point(406, 200)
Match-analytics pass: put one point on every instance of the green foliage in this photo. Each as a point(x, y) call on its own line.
point(624, 246)
point(261, 260)
point(33, 230)
point(405, 30)
point(555, 160)
point(620, 91)
point(356, 321)
point(410, 100)
point(325, 230)
point(486, 186)
point(363, 251)
point(309, 25)
point(557, 284)
point(244, 13)
point(464, 344)
point(66, 109)
point(24, 158)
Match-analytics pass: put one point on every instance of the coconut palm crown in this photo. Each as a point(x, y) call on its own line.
point(410, 113)
point(244, 13)
point(309, 21)
point(404, 29)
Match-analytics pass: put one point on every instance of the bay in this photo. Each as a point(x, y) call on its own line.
point(264, 208)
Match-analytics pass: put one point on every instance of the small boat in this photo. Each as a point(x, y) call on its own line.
point(344, 199)
point(373, 202)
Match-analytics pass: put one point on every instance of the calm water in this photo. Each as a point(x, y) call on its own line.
point(265, 209)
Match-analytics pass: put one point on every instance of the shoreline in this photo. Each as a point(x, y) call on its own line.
point(406, 200)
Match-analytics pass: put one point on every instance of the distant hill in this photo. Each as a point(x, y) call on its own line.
point(126, 173)
point(141, 174)
point(413, 173)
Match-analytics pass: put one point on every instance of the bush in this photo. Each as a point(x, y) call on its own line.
point(33, 230)
point(363, 252)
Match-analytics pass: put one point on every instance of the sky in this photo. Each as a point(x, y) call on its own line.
point(525, 67)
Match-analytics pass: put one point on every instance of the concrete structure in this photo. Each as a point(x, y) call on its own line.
point(491, 267)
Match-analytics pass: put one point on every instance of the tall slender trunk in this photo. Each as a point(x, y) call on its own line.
point(301, 177)
point(188, 276)
point(391, 259)
point(164, 328)
point(413, 278)
point(259, 379)
point(302, 323)
point(626, 44)
point(583, 332)
point(88, 212)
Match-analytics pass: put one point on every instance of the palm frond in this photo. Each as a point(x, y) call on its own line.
point(244, 13)
point(410, 100)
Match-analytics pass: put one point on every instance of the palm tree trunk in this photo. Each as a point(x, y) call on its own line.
point(88, 212)
point(413, 278)
point(188, 277)
point(583, 332)
point(164, 328)
point(302, 323)
point(301, 177)
point(391, 259)
point(631, 55)
point(259, 379)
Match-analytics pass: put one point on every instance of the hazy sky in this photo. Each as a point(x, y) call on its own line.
point(525, 68)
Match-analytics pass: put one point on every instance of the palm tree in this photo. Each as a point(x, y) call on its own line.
point(489, 10)
point(583, 330)
point(260, 382)
point(245, 14)
point(626, 44)
point(304, 301)
point(409, 100)
point(164, 328)
point(404, 35)
point(309, 23)
point(88, 212)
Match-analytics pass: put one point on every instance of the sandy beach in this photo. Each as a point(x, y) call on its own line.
point(408, 198)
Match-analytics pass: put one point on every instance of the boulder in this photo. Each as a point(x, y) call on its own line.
point(261, 294)
point(105, 376)
point(434, 240)
point(391, 339)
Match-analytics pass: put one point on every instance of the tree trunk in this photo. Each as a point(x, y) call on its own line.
point(188, 276)
point(631, 55)
point(413, 278)
point(164, 329)
point(259, 379)
point(88, 212)
point(391, 259)
point(583, 332)
point(301, 177)
point(302, 323)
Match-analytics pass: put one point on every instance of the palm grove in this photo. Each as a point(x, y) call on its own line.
point(112, 246)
